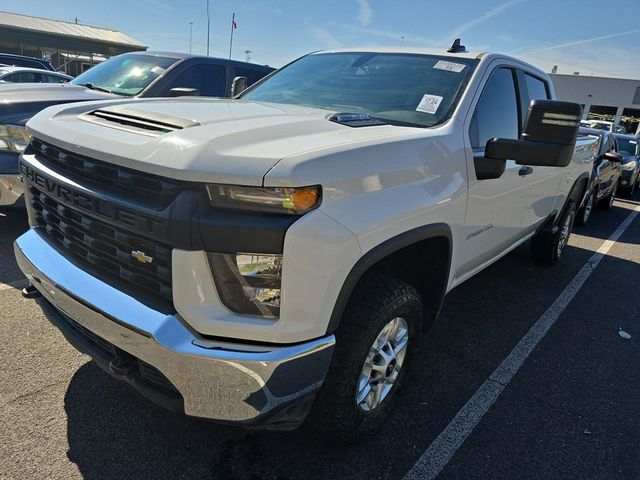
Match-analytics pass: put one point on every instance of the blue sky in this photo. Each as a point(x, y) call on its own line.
point(589, 36)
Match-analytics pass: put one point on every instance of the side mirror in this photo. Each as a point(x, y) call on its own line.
point(548, 139)
point(238, 86)
point(613, 157)
point(184, 92)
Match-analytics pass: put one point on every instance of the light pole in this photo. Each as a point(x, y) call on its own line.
point(190, 35)
point(248, 52)
point(208, 27)
point(401, 40)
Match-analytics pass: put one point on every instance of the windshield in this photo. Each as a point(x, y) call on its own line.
point(401, 89)
point(627, 145)
point(125, 75)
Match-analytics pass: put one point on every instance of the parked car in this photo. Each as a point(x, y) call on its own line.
point(260, 259)
point(629, 149)
point(603, 125)
point(131, 75)
point(24, 61)
point(605, 176)
point(31, 75)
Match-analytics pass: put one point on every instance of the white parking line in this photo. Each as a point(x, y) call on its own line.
point(440, 452)
point(16, 284)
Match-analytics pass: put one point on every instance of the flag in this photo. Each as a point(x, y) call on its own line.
point(234, 24)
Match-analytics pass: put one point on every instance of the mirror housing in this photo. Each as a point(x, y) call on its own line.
point(238, 86)
point(184, 92)
point(613, 157)
point(548, 139)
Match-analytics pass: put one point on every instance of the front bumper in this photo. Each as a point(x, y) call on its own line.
point(628, 177)
point(220, 380)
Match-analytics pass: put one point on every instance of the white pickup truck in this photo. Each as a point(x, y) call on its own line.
point(275, 257)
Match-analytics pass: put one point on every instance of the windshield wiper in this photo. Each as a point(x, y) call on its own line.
point(95, 87)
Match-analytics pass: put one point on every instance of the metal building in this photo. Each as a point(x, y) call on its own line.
point(71, 47)
point(612, 99)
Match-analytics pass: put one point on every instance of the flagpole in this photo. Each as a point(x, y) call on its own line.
point(233, 24)
point(208, 27)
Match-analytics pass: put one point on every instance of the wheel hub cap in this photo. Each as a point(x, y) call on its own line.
point(382, 365)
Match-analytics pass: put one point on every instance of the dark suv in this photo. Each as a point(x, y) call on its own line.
point(23, 61)
point(605, 176)
point(134, 75)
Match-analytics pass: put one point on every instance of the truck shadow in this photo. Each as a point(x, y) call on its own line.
point(13, 222)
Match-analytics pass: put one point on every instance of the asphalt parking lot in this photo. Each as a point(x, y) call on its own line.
point(572, 410)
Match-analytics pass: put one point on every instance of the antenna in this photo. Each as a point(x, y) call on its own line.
point(456, 47)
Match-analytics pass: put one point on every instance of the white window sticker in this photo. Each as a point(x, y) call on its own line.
point(429, 104)
point(449, 66)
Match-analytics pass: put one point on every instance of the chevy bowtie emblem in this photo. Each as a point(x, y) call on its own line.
point(141, 256)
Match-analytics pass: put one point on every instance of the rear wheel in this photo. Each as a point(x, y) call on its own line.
point(584, 214)
point(375, 344)
point(548, 247)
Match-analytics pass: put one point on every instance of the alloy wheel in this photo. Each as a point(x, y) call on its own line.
point(382, 365)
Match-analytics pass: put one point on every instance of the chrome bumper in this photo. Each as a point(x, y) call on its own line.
point(11, 190)
point(225, 381)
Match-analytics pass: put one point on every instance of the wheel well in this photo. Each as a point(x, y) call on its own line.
point(421, 258)
point(579, 190)
point(423, 265)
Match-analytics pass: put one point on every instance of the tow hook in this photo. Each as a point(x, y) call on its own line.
point(31, 292)
point(121, 367)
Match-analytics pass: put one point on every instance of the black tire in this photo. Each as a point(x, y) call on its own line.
point(607, 202)
point(585, 212)
point(376, 301)
point(547, 248)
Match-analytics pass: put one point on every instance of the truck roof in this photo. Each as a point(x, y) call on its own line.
point(441, 52)
point(416, 50)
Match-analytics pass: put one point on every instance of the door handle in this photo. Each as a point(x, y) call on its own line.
point(525, 171)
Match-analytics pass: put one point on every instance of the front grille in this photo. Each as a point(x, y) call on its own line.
point(151, 190)
point(106, 251)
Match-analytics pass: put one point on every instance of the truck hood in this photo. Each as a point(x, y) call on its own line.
point(203, 140)
point(48, 92)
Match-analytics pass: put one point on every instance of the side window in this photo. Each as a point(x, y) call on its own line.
point(210, 79)
point(54, 79)
point(21, 77)
point(536, 90)
point(496, 114)
point(252, 75)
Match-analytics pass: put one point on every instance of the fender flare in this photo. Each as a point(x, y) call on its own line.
point(383, 250)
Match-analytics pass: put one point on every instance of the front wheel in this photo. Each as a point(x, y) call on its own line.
point(548, 247)
point(607, 202)
point(375, 344)
point(584, 214)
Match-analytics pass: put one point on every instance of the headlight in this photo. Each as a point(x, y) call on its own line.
point(295, 201)
point(248, 284)
point(629, 165)
point(13, 138)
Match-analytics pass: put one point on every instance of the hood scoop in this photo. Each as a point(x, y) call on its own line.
point(137, 121)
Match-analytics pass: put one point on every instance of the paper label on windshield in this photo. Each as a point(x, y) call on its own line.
point(429, 104)
point(449, 66)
